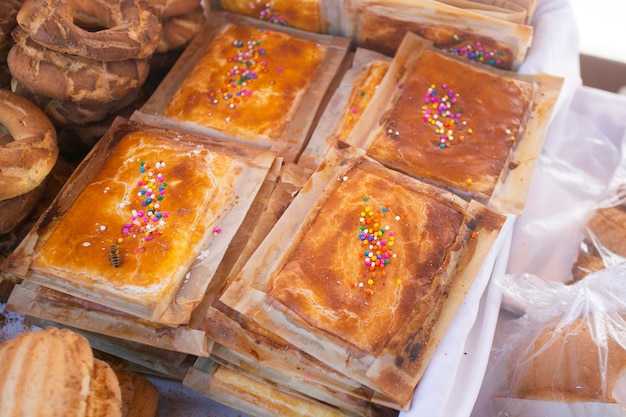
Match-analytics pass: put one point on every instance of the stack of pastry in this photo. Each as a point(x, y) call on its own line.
point(82, 61)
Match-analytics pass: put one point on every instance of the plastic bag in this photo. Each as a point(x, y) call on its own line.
point(566, 353)
point(604, 237)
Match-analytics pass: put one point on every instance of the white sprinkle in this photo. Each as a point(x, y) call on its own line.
point(103, 228)
point(86, 244)
point(345, 178)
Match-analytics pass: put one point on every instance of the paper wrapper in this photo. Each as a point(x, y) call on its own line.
point(353, 94)
point(299, 114)
point(247, 293)
point(509, 191)
point(381, 26)
point(320, 16)
point(247, 393)
point(568, 347)
point(603, 244)
point(187, 287)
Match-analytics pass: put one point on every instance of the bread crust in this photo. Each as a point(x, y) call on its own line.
point(27, 160)
point(59, 76)
point(131, 27)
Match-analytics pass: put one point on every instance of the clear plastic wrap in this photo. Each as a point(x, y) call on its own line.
point(566, 353)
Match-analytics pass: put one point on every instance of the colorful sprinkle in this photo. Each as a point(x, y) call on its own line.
point(146, 216)
point(439, 109)
point(476, 52)
point(376, 242)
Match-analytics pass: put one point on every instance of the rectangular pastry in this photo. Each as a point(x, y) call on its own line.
point(465, 127)
point(381, 26)
point(346, 105)
point(144, 221)
point(360, 267)
point(320, 16)
point(249, 81)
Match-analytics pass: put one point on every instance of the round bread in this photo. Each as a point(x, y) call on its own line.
point(8, 14)
point(28, 159)
point(69, 113)
point(179, 30)
point(169, 8)
point(45, 373)
point(131, 27)
point(139, 397)
point(566, 366)
point(63, 77)
point(15, 210)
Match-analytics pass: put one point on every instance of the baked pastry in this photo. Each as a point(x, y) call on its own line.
point(348, 102)
point(366, 244)
point(249, 81)
point(382, 25)
point(437, 121)
point(29, 151)
point(149, 224)
point(306, 15)
point(53, 372)
point(240, 390)
point(604, 242)
point(568, 363)
point(129, 29)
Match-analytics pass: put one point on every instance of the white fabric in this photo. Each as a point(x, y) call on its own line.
point(451, 384)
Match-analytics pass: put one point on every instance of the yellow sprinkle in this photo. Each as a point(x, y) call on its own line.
point(470, 131)
point(398, 281)
point(512, 138)
point(469, 181)
point(370, 281)
point(350, 118)
point(120, 240)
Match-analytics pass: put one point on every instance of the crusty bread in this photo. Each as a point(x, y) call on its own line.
point(45, 373)
point(139, 397)
point(566, 365)
point(53, 373)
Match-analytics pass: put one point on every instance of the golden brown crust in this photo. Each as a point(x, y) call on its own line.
point(62, 77)
point(565, 364)
point(15, 210)
point(140, 397)
point(28, 159)
point(257, 103)
point(364, 88)
point(485, 113)
point(45, 373)
point(305, 15)
point(64, 113)
point(131, 27)
point(180, 29)
point(384, 34)
point(343, 295)
point(105, 397)
point(169, 8)
point(8, 13)
point(605, 236)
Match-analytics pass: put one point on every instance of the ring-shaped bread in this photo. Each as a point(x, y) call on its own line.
point(179, 30)
point(63, 113)
point(169, 8)
point(106, 30)
point(26, 160)
point(72, 78)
